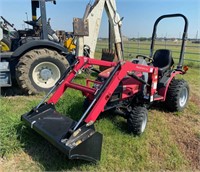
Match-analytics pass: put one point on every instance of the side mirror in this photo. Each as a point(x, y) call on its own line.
point(54, 2)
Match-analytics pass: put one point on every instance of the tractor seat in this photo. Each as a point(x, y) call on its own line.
point(163, 60)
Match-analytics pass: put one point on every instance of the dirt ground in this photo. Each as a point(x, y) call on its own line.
point(186, 132)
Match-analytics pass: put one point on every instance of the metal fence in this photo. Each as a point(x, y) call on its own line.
point(133, 48)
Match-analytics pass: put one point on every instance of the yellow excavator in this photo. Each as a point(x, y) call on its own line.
point(70, 43)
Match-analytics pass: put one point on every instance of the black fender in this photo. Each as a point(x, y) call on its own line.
point(38, 44)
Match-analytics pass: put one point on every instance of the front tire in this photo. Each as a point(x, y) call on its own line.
point(38, 70)
point(137, 120)
point(177, 95)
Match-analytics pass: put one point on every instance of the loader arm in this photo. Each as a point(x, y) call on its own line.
point(93, 14)
point(78, 139)
point(101, 96)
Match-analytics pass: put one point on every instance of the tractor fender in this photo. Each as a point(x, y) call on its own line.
point(38, 44)
point(163, 91)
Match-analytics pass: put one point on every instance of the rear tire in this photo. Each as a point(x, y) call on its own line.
point(38, 70)
point(137, 120)
point(177, 95)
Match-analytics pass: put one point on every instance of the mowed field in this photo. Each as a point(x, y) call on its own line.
point(171, 140)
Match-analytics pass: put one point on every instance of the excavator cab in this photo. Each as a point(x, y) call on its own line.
point(44, 31)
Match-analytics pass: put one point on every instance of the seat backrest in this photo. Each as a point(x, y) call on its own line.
point(162, 58)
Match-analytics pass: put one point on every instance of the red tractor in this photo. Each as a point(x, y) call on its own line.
point(127, 87)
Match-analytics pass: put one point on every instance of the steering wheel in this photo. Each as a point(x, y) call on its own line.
point(145, 57)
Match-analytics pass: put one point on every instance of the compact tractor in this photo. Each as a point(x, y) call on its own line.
point(33, 57)
point(127, 87)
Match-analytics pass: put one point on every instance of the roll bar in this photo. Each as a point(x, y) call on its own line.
point(184, 36)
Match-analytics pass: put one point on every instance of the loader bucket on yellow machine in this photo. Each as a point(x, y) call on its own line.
point(84, 143)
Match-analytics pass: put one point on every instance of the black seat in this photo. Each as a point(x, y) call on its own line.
point(163, 60)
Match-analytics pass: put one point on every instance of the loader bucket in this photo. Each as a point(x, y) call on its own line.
point(84, 143)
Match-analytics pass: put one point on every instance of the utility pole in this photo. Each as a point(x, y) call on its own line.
point(27, 19)
point(197, 35)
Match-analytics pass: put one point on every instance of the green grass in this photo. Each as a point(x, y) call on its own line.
point(21, 149)
point(120, 149)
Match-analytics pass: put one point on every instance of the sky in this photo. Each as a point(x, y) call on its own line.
point(139, 16)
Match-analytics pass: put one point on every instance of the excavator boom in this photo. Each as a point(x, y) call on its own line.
point(93, 14)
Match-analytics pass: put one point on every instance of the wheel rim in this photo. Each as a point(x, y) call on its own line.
point(144, 123)
point(183, 97)
point(46, 74)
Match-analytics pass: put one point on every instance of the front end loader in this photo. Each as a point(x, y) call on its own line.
point(125, 87)
point(78, 139)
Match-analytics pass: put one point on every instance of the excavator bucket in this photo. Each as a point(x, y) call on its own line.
point(84, 143)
